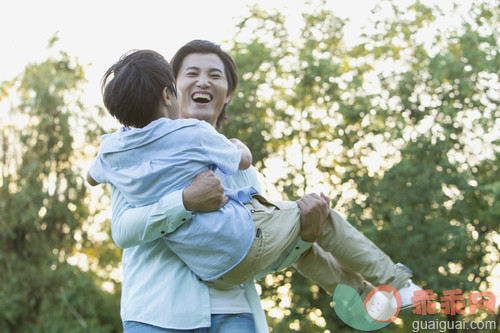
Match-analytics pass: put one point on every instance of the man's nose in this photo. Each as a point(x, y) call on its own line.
point(203, 81)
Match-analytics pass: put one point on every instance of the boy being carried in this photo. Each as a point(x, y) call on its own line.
point(227, 247)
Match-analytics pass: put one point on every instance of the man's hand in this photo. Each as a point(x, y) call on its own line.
point(205, 193)
point(314, 209)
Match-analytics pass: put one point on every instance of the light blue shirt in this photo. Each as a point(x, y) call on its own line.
point(158, 288)
point(147, 163)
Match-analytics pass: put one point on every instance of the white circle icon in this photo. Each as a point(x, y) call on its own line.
point(383, 303)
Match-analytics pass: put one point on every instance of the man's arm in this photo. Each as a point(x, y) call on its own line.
point(314, 210)
point(135, 226)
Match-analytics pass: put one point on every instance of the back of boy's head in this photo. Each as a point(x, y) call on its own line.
point(132, 87)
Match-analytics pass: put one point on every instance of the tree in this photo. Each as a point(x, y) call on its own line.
point(402, 127)
point(45, 210)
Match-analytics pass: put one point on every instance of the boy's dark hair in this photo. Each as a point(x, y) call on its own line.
point(132, 87)
point(205, 47)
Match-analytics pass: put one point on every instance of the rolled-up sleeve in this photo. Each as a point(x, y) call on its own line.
point(132, 226)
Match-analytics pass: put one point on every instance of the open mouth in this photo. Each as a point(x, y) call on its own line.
point(201, 97)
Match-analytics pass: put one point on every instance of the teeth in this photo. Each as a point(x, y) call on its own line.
point(202, 96)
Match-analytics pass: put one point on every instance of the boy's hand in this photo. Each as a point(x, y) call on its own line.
point(246, 154)
point(91, 180)
point(205, 193)
point(314, 210)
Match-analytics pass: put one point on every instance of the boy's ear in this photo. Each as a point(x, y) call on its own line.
point(165, 96)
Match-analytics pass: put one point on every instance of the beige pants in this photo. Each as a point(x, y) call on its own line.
point(340, 255)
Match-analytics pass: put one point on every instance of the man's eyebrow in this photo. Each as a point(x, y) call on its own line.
point(215, 69)
point(196, 68)
point(192, 68)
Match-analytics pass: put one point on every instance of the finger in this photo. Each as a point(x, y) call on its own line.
point(310, 198)
point(225, 200)
point(210, 178)
point(306, 202)
point(313, 195)
point(317, 200)
point(204, 174)
point(208, 173)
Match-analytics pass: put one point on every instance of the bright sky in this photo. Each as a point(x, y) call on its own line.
point(98, 32)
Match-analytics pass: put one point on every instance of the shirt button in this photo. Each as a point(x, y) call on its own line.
point(184, 219)
point(162, 232)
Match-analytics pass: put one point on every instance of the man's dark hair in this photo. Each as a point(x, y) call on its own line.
point(132, 87)
point(206, 47)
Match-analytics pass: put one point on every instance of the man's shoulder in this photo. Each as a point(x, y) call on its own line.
point(199, 127)
point(174, 124)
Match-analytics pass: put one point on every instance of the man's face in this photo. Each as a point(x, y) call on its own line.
point(203, 84)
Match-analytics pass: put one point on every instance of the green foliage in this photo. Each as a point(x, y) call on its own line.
point(404, 128)
point(44, 208)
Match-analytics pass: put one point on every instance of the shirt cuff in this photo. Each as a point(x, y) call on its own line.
point(168, 214)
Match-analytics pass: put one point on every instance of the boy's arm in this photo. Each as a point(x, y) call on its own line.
point(246, 154)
